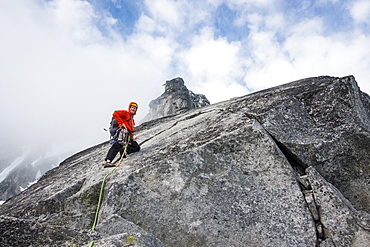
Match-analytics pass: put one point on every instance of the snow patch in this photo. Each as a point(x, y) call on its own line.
point(14, 164)
point(38, 175)
point(35, 161)
point(29, 184)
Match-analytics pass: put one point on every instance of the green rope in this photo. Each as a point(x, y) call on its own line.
point(100, 198)
point(99, 203)
point(102, 190)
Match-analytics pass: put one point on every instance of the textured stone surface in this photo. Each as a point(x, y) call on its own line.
point(126, 240)
point(341, 221)
point(21, 232)
point(228, 174)
point(322, 122)
point(228, 190)
point(327, 243)
point(118, 231)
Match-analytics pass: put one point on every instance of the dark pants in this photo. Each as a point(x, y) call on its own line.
point(132, 147)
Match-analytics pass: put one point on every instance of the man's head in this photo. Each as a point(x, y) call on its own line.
point(132, 108)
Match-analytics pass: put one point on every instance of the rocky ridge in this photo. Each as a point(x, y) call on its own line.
point(287, 166)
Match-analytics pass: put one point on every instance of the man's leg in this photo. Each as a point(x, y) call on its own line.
point(114, 149)
point(133, 147)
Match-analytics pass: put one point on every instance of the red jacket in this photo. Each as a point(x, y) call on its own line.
point(124, 117)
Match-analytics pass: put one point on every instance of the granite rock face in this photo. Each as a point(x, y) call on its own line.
point(253, 171)
point(176, 99)
point(345, 225)
point(322, 122)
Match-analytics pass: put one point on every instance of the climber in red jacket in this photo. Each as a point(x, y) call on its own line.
point(125, 121)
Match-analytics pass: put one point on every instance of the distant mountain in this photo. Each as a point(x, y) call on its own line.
point(21, 168)
point(286, 166)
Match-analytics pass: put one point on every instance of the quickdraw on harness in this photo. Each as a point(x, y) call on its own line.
point(127, 141)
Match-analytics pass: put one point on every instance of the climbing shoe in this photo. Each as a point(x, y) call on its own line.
point(105, 162)
point(108, 164)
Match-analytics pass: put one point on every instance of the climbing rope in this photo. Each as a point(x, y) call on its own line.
point(102, 189)
point(99, 202)
point(100, 198)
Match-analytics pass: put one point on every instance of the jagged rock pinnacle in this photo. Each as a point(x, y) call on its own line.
point(176, 99)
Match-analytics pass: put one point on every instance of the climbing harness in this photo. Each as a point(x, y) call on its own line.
point(102, 189)
point(124, 152)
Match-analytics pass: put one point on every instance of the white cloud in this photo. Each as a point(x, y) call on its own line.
point(147, 25)
point(249, 3)
point(323, 2)
point(275, 21)
point(306, 52)
point(268, 63)
point(360, 11)
point(164, 10)
point(61, 78)
point(173, 19)
point(213, 67)
point(75, 19)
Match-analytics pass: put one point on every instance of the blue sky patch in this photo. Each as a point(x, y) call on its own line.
point(224, 22)
point(126, 12)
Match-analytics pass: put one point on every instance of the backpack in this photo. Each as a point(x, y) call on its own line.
point(113, 127)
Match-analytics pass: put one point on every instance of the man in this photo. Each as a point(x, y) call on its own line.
point(125, 121)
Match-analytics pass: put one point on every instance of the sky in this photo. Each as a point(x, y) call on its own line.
point(66, 65)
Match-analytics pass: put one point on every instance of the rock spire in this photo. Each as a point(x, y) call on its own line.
point(176, 99)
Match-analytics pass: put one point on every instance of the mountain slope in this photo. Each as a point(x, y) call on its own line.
point(285, 166)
